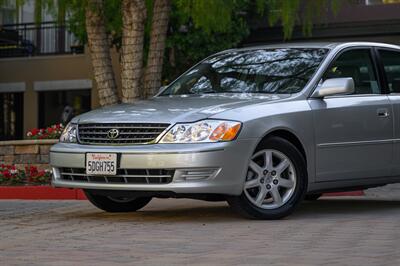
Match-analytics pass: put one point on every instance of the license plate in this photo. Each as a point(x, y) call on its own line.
point(101, 163)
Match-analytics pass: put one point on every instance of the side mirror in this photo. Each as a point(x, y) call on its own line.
point(336, 86)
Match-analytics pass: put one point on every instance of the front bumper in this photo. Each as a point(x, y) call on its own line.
point(229, 160)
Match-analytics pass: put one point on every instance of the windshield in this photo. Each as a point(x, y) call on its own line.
point(278, 71)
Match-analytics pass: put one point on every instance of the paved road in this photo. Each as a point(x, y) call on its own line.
point(356, 231)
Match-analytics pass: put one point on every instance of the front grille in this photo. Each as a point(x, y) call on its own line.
point(128, 133)
point(124, 176)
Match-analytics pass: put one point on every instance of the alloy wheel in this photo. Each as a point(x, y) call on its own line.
point(270, 180)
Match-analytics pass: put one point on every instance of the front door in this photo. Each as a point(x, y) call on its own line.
point(353, 133)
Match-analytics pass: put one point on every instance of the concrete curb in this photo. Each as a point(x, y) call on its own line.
point(40, 193)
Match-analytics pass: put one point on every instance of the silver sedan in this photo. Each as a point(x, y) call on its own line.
point(261, 127)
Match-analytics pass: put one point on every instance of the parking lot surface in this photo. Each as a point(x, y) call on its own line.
point(331, 231)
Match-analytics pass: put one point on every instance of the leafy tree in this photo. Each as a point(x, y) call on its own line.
point(188, 29)
point(214, 25)
point(191, 39)
point(292, 12)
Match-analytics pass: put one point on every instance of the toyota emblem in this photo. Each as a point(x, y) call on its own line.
point(113, 133)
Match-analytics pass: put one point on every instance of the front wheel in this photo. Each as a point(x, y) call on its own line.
point(275, 183)
point(117, 204)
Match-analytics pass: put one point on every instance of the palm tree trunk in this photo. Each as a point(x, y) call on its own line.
point(158, 36)
point(100, 53)
point(133, 17)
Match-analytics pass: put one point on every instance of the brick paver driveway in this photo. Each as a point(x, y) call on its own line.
point(356, 231)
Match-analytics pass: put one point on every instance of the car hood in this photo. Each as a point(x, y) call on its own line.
point(171, 109)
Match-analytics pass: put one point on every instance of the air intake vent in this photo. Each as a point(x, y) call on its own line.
point(124, 176)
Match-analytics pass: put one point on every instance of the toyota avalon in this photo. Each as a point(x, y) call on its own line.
point(262, 128)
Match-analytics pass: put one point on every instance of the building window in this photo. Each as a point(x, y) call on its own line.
point(380, 2)
point(11, 120)
point(60, 106)
point(7, 16)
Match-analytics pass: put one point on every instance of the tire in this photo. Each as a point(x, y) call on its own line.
point(287, 186)
point(110, 204)
point(312, 197)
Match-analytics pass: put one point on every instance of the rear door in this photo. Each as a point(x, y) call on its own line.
point(353, 133)
point(390, 65)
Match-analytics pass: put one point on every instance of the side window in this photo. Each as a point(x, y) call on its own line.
point(356, 64)
point(391, 63)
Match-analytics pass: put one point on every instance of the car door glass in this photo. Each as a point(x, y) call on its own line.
point(356, 64)
point(391, 63)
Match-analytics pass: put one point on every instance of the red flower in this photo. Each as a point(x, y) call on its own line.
point(9, 175)
point(51, 132)
point(6, 174)
point(35, 131)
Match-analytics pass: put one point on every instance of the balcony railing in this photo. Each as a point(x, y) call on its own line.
point(31, 39)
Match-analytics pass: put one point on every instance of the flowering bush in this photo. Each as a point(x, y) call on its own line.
point(35, 176)
point(10, 175)
point(52, 132)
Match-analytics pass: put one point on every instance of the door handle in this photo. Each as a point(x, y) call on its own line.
point(383, 112)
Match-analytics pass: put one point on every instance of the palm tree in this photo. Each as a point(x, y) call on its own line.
point(158, 37)
point(133, 18)
point(99, 47)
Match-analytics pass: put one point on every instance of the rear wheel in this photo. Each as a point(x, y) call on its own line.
point(275, 183)
point(117, 204)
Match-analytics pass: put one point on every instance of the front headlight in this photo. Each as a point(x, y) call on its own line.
point(202, 131)
point(69, 133)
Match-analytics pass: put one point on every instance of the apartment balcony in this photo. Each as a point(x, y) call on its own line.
point(31, 39)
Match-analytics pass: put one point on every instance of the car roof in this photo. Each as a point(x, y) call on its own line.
point(326, 45)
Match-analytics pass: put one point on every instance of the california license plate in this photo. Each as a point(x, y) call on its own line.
point(101, 163)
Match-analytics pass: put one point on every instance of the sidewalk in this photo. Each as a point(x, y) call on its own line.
point(330, 231)
point(391, 192)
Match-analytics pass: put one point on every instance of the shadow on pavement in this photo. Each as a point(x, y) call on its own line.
point(220, 212)
point(346, 206)
point(199, 214)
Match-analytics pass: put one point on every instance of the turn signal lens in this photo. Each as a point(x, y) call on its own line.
point(225, 132)
point(231, 133)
